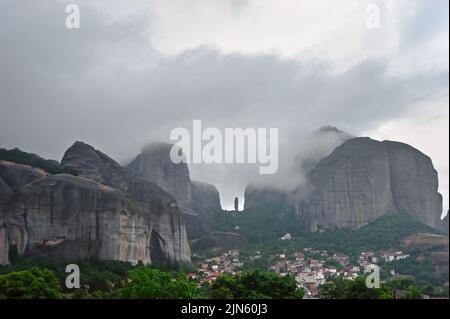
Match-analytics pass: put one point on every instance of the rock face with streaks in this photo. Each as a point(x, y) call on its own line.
point(364, 179)
point(155, 165)
point(106, 212)
point(444, 226)
point(414, 184)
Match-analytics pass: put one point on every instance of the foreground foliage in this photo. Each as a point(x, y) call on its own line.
point(255, 285)
point(113, 279)
point(146, 283)
point(396, 288)
point(30, 284)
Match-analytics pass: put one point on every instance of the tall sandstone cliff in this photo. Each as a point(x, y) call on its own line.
point(363, 179)
point(106, 211)
point(195, 199)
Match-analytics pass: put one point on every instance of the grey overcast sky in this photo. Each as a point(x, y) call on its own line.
point(137, 69)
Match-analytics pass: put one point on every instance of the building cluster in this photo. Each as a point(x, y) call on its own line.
point(310, 267)
point(210, 268)
point(391, 255)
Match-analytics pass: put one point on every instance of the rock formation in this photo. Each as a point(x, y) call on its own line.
point(93, 164)
point(444, 226)
point(236, 204)
point(414, 183)
point(154, 164)
point(207, 195)
point(106, 212)
point(364, 179)
point(259, 195)
point(311, 150)
point(13, 176)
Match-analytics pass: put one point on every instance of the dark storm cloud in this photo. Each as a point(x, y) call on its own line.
point(105, 84)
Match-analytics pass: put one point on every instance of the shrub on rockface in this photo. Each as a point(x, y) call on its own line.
point(30, 284)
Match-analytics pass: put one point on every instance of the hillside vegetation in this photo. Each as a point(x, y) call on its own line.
point(265, 225)
point(17, 156)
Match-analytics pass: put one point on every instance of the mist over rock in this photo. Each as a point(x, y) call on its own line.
point(257, 195)
point(308, 152)
point(154, 164)
point(363, 179)
point(317, 146)
point(107, 212)
point(219, 241)
point(207, 195)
